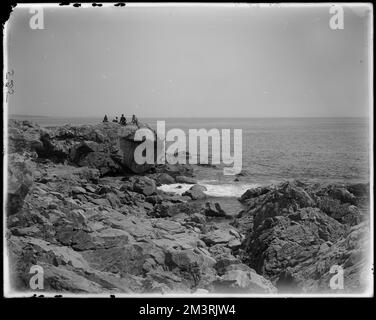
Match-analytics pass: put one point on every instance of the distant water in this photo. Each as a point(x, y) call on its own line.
point(275, 149)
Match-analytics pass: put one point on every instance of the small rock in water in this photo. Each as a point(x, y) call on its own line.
point(215, 210)
point(165, 178)
point(195, 192)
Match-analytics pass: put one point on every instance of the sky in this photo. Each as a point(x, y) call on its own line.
point(223, 61)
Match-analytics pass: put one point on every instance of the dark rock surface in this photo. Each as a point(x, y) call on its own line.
point(108, 147)
point(195, 192)
point(76, 208)
point(94, 227)
point(295, 232)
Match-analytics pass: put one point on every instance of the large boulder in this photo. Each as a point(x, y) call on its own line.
point(164, 178)
point(65, 142)
point(215, 210)
point(145, 186)
point(104, 162)
point(351, 253)
point(194, 266)
point(290, 241)
point(281, 200)
point(24, 136)
point(95, 146)
point(195, 192)
point(128, 145)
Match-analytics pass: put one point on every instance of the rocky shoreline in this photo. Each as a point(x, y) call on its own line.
point(79, 207)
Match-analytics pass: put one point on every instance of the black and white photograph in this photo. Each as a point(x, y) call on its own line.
point(188, 150)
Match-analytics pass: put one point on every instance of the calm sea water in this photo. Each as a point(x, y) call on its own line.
point(275, 149)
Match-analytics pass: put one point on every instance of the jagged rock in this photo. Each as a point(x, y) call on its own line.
point(175, 170)
point(113, 199)
point(81, 240)
point(102, 161)
point(170, 209)
point(24, 136)
point(154, 199)
point(195, 193)
point(350, 252)
point(164, 178)
point(215, 210)
point(289, 240)
point(121, 234)
point(58, 142)
point(360, 190)
point(95, 146)
point(198, 218)
point(195, 267)
point(343, 212)
point(145, 186)
point(226, 261)
point(234, 244)
point(124, 260)
point(252, 193)
point(342, 194)
point(285, 198)
point(128, 145)
point(82, 149)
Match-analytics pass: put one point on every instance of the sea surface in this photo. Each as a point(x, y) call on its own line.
point(273, 150)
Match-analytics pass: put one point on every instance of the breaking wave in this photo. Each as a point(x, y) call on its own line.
point(213, 190)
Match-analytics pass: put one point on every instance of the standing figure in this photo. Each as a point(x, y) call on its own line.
point(105, 119)
point(135, 120)
point(123, 120)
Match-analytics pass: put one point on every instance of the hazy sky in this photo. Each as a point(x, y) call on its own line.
point(190, 61)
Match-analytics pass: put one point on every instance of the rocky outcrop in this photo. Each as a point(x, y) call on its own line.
point(70, 227)
point(95, 233)
point(128, 144)
point(215, 210)
point(108, 147)
point(164, 178)
point(293, 239)
point(76, 209)
point(196, 192)
point(20, 180)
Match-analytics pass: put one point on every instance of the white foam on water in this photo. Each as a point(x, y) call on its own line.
point(213, 190)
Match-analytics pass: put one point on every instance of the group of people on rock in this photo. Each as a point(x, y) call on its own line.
point(123, 120)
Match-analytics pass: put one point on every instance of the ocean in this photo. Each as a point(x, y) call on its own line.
point(273, 150)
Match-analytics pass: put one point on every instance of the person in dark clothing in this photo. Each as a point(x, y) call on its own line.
point(134, 120)
point(123, 120)
point(115, 120)
point(105, 119)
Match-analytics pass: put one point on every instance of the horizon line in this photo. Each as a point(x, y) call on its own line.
point(192, 117)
